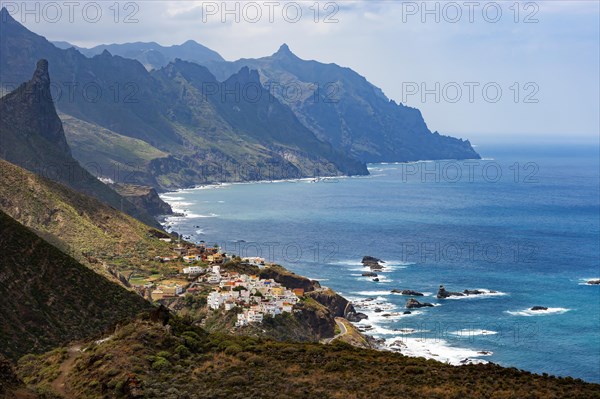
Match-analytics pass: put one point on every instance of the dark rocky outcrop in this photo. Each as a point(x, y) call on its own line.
point(593, 282)
point(538, 308)
point(407, 292)
point(373, 263)
point(288, 279)
point(337, 304)
point(355, 317)
point(473, 292)
point(369, 274)
point(442, 293)
point(414, 304)
point(145, 198)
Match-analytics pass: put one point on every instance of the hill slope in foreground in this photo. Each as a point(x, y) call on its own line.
point(48, 299)
point(146, 359)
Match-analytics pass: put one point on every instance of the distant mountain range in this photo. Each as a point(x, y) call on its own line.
point(184, 124)
point(152, 55)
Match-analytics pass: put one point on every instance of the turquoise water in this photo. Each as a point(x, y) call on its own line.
point(532, 236)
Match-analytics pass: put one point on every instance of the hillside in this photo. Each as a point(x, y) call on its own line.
point(344, 109)
point(145, 359)
point(93, 233)
point(32, 136)
point(49, 299)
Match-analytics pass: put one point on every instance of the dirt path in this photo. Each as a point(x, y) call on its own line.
point(59, 384)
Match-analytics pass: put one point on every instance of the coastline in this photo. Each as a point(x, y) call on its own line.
point(409, 343)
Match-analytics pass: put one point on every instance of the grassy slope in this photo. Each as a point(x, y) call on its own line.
point(76, 223)
point(184, 362)
point(48, 298)
point(116, 155)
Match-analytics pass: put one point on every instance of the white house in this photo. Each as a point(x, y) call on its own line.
point(193, 270)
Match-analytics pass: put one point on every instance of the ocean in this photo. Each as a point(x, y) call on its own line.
point(521, 225)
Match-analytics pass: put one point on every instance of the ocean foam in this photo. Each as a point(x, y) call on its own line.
point(470, 333)
point(436, 349)
point(486, 294)
point(529, 312)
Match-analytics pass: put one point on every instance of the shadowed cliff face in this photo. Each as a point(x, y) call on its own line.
point(32, 136)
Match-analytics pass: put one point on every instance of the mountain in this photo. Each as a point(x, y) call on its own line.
point(32, 136)
point(224, 114)
point(187, 141)
point(108, 241)
point(153, 55)
point(49, 299)
point(145, 359)
point(344, 109)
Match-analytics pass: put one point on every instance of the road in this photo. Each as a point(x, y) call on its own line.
point(343, 330)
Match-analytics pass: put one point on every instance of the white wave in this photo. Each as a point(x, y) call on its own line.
point(409, 331)
point(486, 294)
point(372, 293)
point(529, 312)
point(168, 198)
point(584, 281)
point(436, 349)
point(194, 215)
point(470, 333)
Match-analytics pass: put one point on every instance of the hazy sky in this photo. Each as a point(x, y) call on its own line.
point(543, 56)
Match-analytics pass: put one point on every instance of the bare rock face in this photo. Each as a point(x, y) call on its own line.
point(539, 308)
point(373, 263)
point(414, 304)
point(442, 293)
point(407, 292)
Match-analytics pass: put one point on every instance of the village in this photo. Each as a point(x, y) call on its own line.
point(196, 267)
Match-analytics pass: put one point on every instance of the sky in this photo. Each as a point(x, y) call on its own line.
point(479, 70)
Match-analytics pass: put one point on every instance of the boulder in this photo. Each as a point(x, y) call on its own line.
point(355, 317)
point(442, 293)
point(376, 279)
point(414, 304)
point(369, 274)
point(537, 308)
point(594, 282)
point(407, 312)
point(373, 263)
point(407, 292)
point(473, 292)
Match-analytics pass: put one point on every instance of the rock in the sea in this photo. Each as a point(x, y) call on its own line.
point(407, 312)
point(355, 317)
point(373, 263)
point(535, 308)
point(376, 279)
point(407, 292)
point(473, 292)
point(378, 310)
point(369, 274)
point(442, 293)
point(594, 282)
point(413, 303)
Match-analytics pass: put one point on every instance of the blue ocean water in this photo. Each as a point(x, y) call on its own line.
point(522, 223)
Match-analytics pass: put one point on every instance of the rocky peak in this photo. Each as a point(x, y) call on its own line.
point(284, 52)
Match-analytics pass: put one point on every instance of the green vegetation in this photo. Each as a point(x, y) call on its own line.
point(185, 362)
point(48, 299)
point(93, 233)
